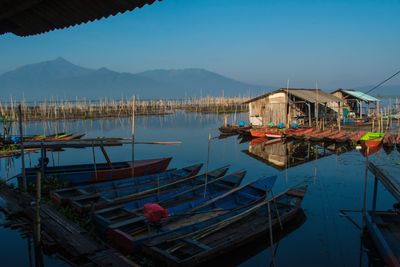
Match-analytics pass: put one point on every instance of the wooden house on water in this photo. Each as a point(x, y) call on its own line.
point(302, 106)
point(356, 103)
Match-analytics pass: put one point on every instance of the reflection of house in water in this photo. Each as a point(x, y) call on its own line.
point(284, 155)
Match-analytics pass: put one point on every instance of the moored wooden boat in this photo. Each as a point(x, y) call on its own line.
point(206, 240)
point(274, 133)
point(65, 195)
point(233, 129)
point(367, 150)
point(116, 197)
point(91, 173)
point(130, 237)
point(300, 133)
point(317, 136)
point(132, 212)
point(372, 139)
point(260, 132)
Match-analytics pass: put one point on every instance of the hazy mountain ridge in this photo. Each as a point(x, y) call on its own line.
point(60, 78)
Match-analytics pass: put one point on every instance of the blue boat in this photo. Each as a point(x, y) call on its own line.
point(129, 237)
point(116, 197)
point(132, 212)
point(65, 195)
point(206, 240)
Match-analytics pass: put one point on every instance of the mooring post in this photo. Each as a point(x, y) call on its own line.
point(207, 162)
point(271, 238)
point(21, 134)
point(42, 159)
point(37, 207)
point(364, 212)
point(133, 137)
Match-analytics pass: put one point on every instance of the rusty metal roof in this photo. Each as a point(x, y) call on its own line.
point(30, 17)
point(309, 95)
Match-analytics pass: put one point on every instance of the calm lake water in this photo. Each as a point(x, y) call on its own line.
point(335, 182)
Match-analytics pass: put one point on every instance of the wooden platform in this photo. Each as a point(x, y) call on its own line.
point(74, 241)
point(384, 228)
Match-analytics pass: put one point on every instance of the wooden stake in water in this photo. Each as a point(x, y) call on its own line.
point(133, 136)
point(271, 238)
point(94, 161)
point(21, 135)
point(364, 209)
point(208, 161)
point(37, 207)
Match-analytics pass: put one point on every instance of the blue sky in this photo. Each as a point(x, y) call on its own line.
point(337, 43)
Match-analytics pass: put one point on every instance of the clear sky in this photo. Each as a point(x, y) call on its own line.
point(337, 43)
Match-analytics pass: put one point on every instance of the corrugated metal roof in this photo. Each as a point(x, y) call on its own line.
point(30, 17)
point(309, 95)
point(361, 95)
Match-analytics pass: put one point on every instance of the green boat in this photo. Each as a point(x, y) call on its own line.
point(372, 136)
point(372, 139)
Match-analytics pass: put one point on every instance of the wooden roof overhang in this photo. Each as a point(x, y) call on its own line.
point(31, 17)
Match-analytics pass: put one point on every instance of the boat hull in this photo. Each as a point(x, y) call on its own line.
point(84, 174)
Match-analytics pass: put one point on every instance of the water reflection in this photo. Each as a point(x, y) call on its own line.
point(282, 155)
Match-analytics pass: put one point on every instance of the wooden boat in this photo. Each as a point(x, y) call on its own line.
point(131, 236)
point(116, 197)
point(337, 137)
point(257, 132)
point(357, 136)
point(389, 142)
point(88, 173)
point(317, 136)
point(297, 131)
point(372, 139)
point(267, 132)
point(301, 133)
point(206, 240)
point(384, 228)
point(233, 129)
point(132, 212)
point(244, 131)
point(369, 150)
point(65, 195)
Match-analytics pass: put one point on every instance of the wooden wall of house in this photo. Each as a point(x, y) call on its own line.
point(272, 108)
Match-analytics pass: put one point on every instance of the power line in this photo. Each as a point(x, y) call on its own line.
point(382, 82)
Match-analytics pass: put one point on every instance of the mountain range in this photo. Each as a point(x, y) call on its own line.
point(63, 79)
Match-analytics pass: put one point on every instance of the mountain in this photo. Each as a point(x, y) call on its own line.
point(200, 80)
point(63, 79)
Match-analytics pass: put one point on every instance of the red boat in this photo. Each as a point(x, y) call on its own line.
point(299, 133)
point(257, 132)
point(88, 173)
point(367, 150)
point(274, 133)
point(317, 136)
point(357, 136)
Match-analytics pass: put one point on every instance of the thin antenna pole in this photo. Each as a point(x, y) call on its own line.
point(316, 105)
point(288, 105)
point(21, 134)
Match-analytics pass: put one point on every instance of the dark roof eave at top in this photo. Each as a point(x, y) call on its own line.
point(32, 17)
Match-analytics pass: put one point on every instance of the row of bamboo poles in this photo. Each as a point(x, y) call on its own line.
point(90, 109)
